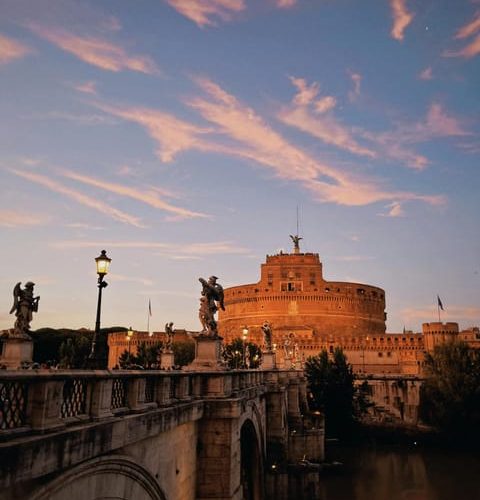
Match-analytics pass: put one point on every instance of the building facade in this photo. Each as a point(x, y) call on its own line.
point(308, 314)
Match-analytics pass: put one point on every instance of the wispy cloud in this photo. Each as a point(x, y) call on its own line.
point(206, 12)
point(132, 279)
point(470, 50)
point(300, 114)
point(185, 249)
point(89, 87)
point(426, 74)
point(397, 143)
point(285, 4)
point(237, 130)
point(395, 210)
point(259, 142)
point(401, 18)
point(424, 314)
point(473, 48)
point(150, 197)
point(81, 198)
point(171, 134)
point(83, 225)
point(357, 81)
point(470, 28)
point(11, 49)
point(95, 51)
point(14, 218)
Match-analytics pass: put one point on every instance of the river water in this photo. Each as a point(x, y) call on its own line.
point(401, 473)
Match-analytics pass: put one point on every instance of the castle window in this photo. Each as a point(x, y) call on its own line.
point(291, 286)
point(380, 354)
point(327, 289)
point(361, 291)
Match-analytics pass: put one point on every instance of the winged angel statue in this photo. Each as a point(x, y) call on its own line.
point(210, 302)
point(24, 305)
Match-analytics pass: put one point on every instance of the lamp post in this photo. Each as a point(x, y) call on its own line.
point(129, 338)
point(244, 340)
point(103, 263)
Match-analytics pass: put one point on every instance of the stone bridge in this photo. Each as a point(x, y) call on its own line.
point(134, 435)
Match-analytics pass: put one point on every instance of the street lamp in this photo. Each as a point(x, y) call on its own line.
point(103, 263)
point(244, 340)
point(129, 338)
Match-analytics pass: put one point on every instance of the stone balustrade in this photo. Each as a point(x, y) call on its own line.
point(35, 401)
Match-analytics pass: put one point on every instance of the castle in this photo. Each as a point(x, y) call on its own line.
point(308, 314)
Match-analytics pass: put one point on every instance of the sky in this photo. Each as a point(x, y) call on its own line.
point(182, 135)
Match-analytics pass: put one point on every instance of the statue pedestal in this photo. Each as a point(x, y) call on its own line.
point(287, 364)
point(167, 360)
point(16, 350)
point(208, 352)
point(268, 360)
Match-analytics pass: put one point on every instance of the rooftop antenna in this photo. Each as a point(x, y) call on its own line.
point(296, 239)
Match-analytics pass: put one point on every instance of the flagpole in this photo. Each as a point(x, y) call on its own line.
point(149, 313)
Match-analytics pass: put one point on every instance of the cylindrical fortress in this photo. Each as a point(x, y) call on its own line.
point(295, 299)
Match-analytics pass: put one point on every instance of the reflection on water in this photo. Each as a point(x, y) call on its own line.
point(374, 473)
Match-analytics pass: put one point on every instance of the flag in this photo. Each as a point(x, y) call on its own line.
point(149, 308)
point(440, 305)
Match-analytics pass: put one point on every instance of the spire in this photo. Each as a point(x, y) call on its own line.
point(296, 239)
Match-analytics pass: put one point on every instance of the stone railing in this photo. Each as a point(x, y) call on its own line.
point(33, 401)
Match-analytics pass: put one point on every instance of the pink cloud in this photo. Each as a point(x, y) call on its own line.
point(202, 12)
point(285, 4)
point(259, 142)
point(95, 51)
point(426, 74)
point(326, 128)
point(78, 197)
point(357, 81)
point(150, 197)
point(395, 210)
point(11, 49)
point(401, 18)
point(470, 50)
point(171, 134)
point(14, 218)
point(306, 93)
point(440, 124)
point(396, 144)
point(87, 87)
point(325, 104)
point(237, 130)
point(470, 28)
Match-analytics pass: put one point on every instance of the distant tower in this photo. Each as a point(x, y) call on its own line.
point(438, 333)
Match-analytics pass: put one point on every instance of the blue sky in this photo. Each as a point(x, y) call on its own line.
point(181, 135)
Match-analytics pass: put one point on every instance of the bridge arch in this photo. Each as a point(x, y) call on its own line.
point(251, 462)
point(113, 477)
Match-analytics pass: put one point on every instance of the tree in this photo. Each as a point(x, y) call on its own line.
point(332, 391)
point(47, 343)
point(242, 356)
point(450, 395)
point(184, 352)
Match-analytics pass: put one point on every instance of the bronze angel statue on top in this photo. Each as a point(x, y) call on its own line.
point(210, 302)
point(24, 305)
